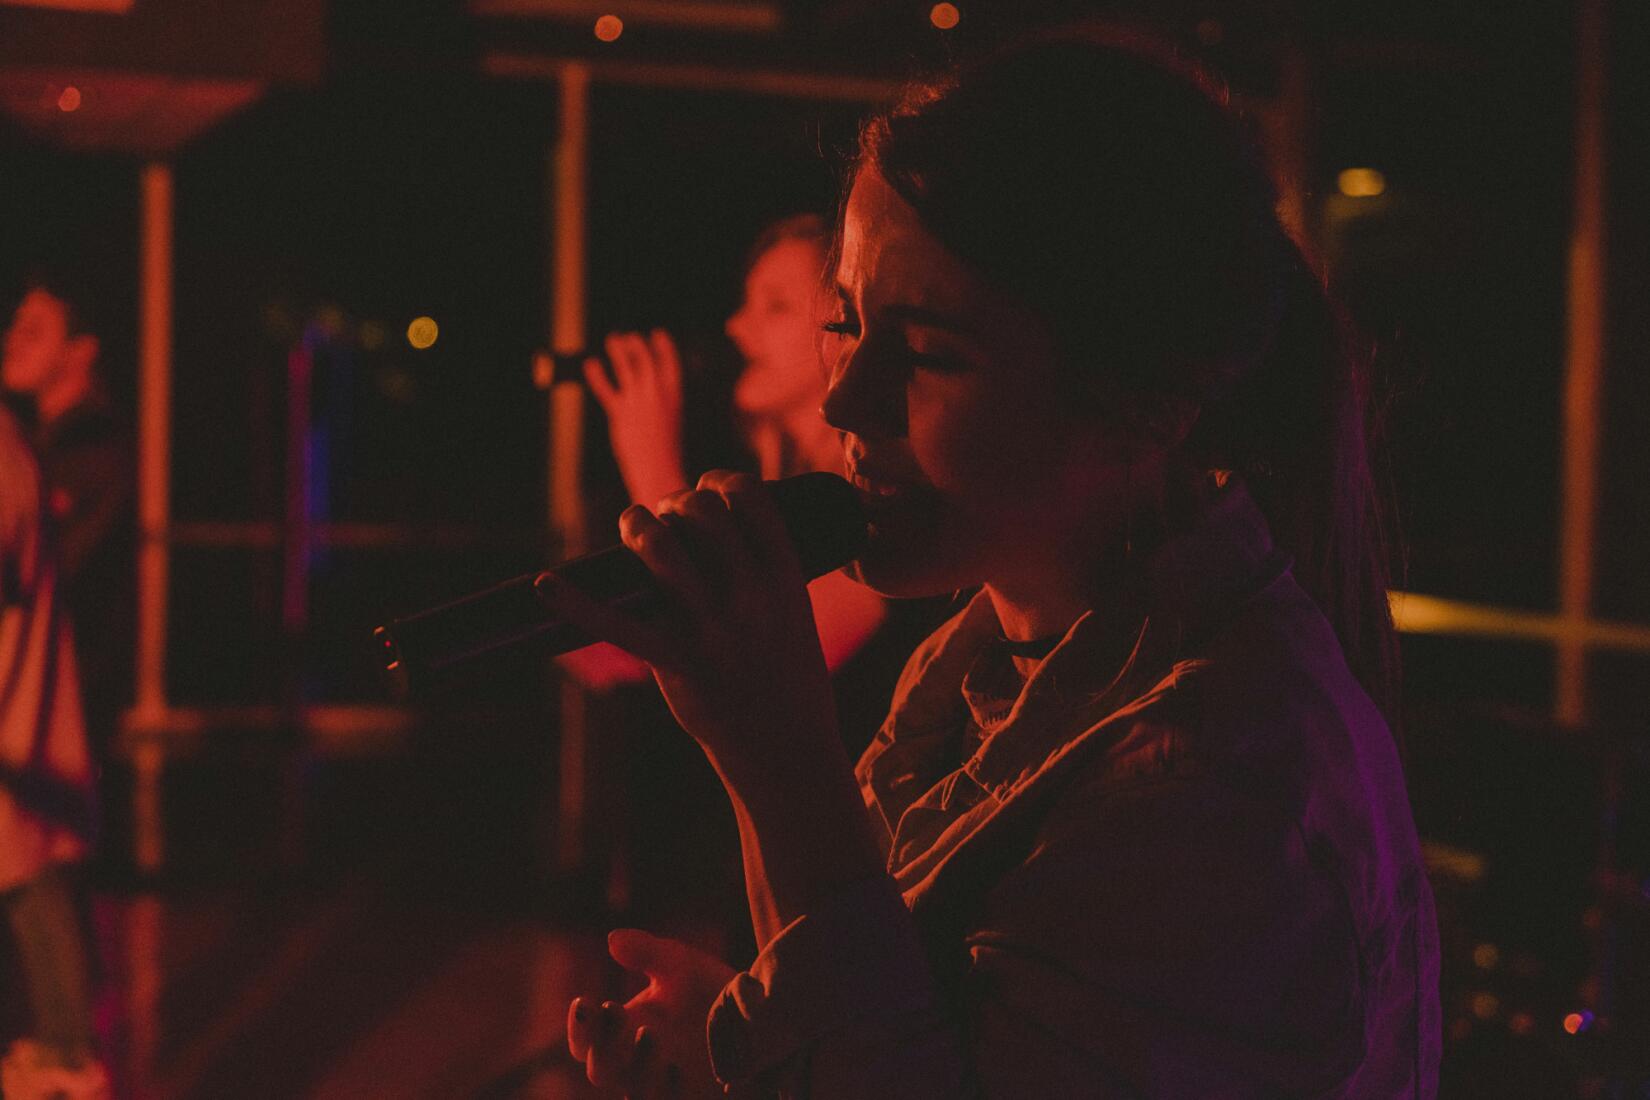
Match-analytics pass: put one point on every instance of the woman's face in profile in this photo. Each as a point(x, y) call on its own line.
point(776, 329)
point(974, 460)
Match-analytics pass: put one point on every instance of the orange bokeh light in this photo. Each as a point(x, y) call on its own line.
point(422, 332)
point(609, 27)
point(1573, 1022)
point(1361, 183)
point(944, 16)
point(69, 99)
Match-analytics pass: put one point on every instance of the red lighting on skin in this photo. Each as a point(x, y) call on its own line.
point(944, 16)
point(609, 27)
point(69, 99)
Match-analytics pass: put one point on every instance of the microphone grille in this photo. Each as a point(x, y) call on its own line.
point(825, 520)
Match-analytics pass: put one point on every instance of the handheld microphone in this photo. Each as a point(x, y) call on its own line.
point(821, 513)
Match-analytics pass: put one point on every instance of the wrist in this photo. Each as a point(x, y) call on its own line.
point(804, 831)
point(648, 489)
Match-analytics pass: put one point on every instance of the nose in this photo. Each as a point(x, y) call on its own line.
point(735, 327)
point(864, 400)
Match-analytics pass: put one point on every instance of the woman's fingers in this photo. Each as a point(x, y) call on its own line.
point(608, 1059)
point(713, 533)
point(595, 376)
point(756, 514)
point(580, 1025)
point(619, 1054)
point(666, 360)
point(663, 549)
point(645, 953)
point(626, 351)
point(645, 1077)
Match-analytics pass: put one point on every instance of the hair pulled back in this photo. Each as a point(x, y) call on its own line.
point(1105, 183)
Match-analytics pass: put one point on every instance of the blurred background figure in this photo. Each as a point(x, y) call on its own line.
point(47, 807)
point(54, 361)
point(777, 331)
point(776, 402)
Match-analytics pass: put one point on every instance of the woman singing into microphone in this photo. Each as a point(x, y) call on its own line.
point(1136, 824)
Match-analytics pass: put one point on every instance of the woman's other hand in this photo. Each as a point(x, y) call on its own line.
point(643, 404)
point(654, 1044)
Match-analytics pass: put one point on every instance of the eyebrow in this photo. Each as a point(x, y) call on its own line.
point(906, 313)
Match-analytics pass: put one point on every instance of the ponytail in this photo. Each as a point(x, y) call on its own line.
point(1297, 426)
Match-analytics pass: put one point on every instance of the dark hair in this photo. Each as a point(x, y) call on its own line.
point(807, 227)
point(1105, 183)
point(78, 298)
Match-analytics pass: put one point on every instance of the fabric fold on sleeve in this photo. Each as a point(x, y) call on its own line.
point(832, 989)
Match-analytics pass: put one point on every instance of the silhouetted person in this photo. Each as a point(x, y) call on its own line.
point(47, 805)
point(52, 357)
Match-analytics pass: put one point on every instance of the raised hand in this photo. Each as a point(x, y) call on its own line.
point(643, 404)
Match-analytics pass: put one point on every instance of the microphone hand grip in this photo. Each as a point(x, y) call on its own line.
point(821, 513)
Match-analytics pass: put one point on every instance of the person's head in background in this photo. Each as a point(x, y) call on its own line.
point(50, 350)
point(1090, 192)
point(777, 325)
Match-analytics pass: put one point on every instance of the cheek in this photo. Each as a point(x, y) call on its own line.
point(991, 453)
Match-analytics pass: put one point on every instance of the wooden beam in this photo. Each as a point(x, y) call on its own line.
point(154, 503)
point(1584, 366)
point(696, 77)
point(570, 166)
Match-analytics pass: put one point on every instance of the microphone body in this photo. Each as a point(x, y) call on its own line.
point(821, 513)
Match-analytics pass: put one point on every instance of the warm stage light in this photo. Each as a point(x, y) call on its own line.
point(1577, 1022)
point(69, 100)
point(609, 27)
point(944, 16)
point(422, 332)
point(1361, 183)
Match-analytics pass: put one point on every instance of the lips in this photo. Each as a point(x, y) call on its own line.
point(872, 487)
point(887, 500)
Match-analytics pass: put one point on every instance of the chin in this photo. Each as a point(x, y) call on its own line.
point(907, 570)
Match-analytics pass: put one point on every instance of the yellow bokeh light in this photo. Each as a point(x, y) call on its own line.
point(1361, 183)
point(422, 332)
point(609, 27)
point(1486, 956)
point(944, 16)
point(69, 100)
